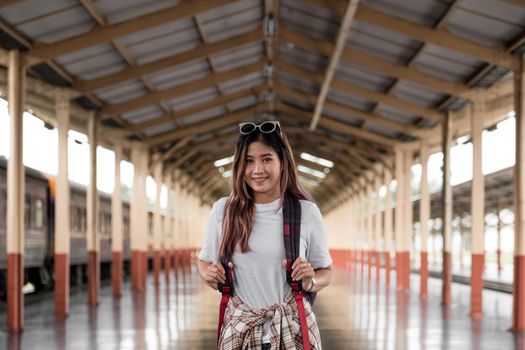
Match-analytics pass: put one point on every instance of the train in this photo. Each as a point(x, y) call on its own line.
point(39, 217)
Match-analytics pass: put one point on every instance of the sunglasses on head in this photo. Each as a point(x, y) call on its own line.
point(265, 127)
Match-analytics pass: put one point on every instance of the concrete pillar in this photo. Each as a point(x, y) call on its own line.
point(518, 316)
point(62, 204)
point(447, 211)
point(498, 248)
point(388, 225)
point(139, 218)
point(93, 241)
point(477, 210)
point(399, 219)
point(408, 216)
point(370, 229)
point(15, 195)
point(378, 228)
point(157, 223)
point(166, 236)
point(117, 241)
point(424, 217)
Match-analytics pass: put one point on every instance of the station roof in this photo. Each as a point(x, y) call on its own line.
point(349, 80)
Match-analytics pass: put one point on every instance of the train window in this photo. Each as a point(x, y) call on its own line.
point(38, 213)
point(126, 227)
point(83, 220)
point(3, 207)
point(27, 212)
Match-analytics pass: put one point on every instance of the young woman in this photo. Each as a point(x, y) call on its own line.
point(245, 232)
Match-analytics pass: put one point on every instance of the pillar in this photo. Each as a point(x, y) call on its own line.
point(447, 211)
point(388, 225)
point(498, 248)
point(62, 205)
point(139, 218)
point(15, 195)
point(408, 217)
point(93, 242)
point(166, 234)
point(117, 227)
point(157, 223)
point(518, 316)
point(378, 228)
point(477, 211)
point(370, 229)
point(399, 217)
point(424, 217)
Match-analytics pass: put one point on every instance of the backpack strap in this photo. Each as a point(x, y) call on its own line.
point(292, 244)
point(226, 290)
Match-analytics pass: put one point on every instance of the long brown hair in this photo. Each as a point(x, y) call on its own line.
point(239, 210)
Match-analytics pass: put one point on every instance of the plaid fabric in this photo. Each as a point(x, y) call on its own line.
point(243, 327)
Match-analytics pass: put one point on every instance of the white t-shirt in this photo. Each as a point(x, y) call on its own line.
point(259, 276)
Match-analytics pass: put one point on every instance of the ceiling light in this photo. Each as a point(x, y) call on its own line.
point(223, 161)
point(311, 171)
point(324, 162)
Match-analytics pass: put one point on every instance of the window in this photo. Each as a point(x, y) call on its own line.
point(27, 212)
point(38, 213)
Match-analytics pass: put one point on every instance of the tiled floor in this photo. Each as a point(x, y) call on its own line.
point(351, 315)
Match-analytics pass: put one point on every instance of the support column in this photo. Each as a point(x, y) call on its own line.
point(93, 242)
point(157, 222)
point(498, 248)
point(388, 226)
point(378, 229)
point(166, 235)
point(117, 227)
point(447, 211)
point(370, 230)
point(62, 204)
point(518, 316)
point(424, 216)
point(408, 217)
point(139, 218)
point(399, 218)
point(15, 195)
point(477, 231)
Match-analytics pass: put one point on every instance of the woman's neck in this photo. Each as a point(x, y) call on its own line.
point(265, 198)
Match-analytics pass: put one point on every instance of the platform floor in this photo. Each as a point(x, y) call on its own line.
point(351, 315)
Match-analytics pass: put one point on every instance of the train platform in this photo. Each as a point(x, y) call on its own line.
point(353, 313)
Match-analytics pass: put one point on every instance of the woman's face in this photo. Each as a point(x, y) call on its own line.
point(263, 172)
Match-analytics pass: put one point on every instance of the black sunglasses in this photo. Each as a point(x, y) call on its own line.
point(265, 127)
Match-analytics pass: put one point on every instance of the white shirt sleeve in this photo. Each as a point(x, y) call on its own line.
point(317, 252)
point(210, 246)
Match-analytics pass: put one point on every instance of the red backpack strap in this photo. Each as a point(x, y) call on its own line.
point(226, 290)
point(292, 244)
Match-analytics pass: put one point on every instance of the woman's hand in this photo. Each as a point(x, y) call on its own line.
point(303, 271)
point(213, 273)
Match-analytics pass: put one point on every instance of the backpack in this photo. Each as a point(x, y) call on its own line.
point(292, 238)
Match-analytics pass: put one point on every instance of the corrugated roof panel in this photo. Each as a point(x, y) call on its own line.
point(122, 92)
point(188, 100)
point(121, 10)
point(484, 30)
point(504, 11)
point(67, 23)
point(232, 31)
point(344, 117)
point(319, 25)
point(26, 11)
point(243, 103)
point(243, 83)
point(381, 130)
point(180, 74)
point(364, 78)
point(207, 114)
point(163, 43)
point(303, 58)
point(143, 114)
point(417, 94)
point(96, 63)
point(352, 100)
point(388, 45)
point(238, 57)
point(396, 115)
point(424, 12)
point(446, 64)
point(86, 53)
point(167, 29)
point(159, 129)
point(299, 83)
point(296, 102)
point(228, 11)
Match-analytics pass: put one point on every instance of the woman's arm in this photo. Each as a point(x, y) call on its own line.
point(322, 277)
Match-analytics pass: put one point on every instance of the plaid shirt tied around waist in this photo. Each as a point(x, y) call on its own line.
point(243, 327)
